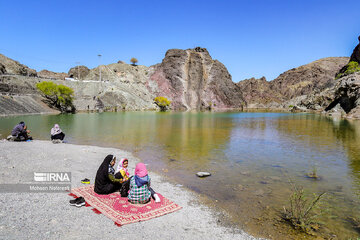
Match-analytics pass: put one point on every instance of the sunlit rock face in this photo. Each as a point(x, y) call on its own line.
point(192, 80)
point(299, 86)
point(347, 94)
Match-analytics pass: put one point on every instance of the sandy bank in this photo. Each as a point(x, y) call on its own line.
point(49, 215)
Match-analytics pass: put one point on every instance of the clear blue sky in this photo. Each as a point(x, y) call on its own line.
point(252, 38)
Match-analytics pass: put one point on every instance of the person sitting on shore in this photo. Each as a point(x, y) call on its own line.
point(123, 173)
point(105, 181)
point(122, 170)
point(140, 190)
point(56, 133)
point(20, 132)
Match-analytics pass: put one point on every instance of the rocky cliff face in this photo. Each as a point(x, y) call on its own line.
point(191, 79)
point(79, 72)
point(258, 93)
point(353, 64)
point(306, 79)
point(54, 75)
point(355, 56)
point(285, 90)
point(9, 66)
point(347, 94)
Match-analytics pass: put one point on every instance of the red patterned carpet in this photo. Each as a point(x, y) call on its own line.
point(120, 210)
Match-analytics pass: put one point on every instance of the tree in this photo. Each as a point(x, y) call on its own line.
point(134, 61)
point(58, 96)
point(162, 103)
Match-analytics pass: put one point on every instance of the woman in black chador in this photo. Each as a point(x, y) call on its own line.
point(105, 181)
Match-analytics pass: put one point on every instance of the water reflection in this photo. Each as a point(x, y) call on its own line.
point(251, 155)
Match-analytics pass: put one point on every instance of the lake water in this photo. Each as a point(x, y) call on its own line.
point(252, 158)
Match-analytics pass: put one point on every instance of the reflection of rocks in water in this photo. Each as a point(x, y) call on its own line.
point(349, 134)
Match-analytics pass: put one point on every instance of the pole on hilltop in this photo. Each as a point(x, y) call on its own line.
point(78, 63)
point(99, 55)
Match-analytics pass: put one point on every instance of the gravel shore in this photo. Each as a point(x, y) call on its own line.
point(49, 215)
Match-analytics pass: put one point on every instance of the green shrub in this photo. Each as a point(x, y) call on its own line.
point(301, 212)
point(162, 102)
point(58, 96)
point(351, 68)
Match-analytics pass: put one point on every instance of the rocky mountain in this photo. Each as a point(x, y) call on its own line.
point(190, 79)
point(355, 56)
point(306, 80)
point(49, 74)
point(353, 64)
point(9, 66)
point(79, 72)
point(346, 93)
point(258, 93)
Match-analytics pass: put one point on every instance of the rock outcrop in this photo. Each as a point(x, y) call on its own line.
point(23, 104)
point(192, 80)
point(304, 80)
point(258, 93)
point(355, 56)
point(10, 66)
point(52, 75)
point(353, 64)
point(79, 72)
point(294, 86)
point(347, 95)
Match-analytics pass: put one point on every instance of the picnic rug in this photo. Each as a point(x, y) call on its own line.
point(120, 210)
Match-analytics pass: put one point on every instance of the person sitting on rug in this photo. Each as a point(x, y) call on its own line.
point(20, 132)
point(122, 169)
point(105, 181)
point(123, 174)
point(140, 190)
point(56, 133)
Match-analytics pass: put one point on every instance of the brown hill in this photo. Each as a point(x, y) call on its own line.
point(9, 66)
point(54, 75)
point(258, 93)
point(304, 80)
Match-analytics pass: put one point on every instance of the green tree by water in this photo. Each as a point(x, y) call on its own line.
point(58, 96)
point(162, 102)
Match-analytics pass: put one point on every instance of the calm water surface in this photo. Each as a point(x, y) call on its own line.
point(252, 157)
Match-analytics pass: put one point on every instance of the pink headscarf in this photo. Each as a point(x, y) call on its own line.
point(120, 166)
point(140, 170)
